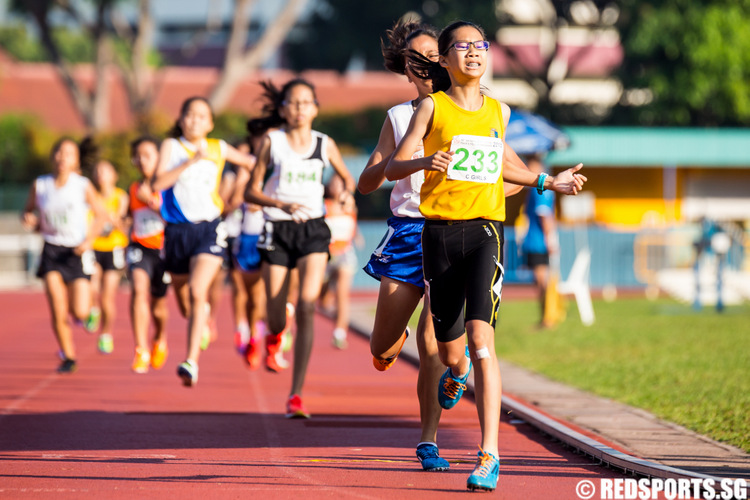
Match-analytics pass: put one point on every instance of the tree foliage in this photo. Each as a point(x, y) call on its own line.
point(107, 40)
point(75, 46)
point(20, 157)
point(694, 56)
point(341, 32)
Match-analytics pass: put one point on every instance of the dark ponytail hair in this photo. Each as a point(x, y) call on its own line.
point(88, 151)
point(176, 130)
point(275, 98)
point(143, 139)
point(398, 38)
point(426, 69)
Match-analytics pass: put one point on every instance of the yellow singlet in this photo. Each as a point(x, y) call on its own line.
point(443, 198)
point(111, 238)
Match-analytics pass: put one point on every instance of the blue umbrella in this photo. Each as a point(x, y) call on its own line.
point(528, 133)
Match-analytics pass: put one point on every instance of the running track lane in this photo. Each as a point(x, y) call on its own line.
point(105, 432)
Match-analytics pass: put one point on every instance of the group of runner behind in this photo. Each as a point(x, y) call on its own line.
point(452, 170)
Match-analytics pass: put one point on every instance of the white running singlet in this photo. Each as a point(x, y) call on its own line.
point(63, 211)
point(405, 194)
point(194, 197)
point(294, 177)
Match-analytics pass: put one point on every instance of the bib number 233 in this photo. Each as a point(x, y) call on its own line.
point(476, 159)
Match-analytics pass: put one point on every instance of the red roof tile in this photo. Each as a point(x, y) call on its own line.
point(37, 89)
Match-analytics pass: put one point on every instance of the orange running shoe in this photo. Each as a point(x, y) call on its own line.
point(141, 360)
point(295, 408)
point(275, 361)
point(159, 354)
point(385, 364)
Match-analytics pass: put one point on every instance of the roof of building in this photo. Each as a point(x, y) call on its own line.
point(655, 147)
point(36, 89)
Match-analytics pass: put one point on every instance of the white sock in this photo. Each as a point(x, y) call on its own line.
point(244, 330)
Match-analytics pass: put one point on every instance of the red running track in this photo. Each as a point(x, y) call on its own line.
point(105, 432)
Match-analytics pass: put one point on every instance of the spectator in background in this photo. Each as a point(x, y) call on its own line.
point(540, 241)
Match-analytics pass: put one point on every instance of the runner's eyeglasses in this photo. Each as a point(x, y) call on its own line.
point(479, 45)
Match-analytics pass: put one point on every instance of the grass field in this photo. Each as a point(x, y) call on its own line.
point(688, 367)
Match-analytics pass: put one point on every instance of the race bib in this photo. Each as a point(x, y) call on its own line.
point(476, 159)
point(147, 223)
point(118, 257)
point(88, 262)
point(300, 178)
point(58, 220)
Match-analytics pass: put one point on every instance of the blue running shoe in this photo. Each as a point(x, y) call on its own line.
point(485, 472)
point(452, 388)
point(430, 458)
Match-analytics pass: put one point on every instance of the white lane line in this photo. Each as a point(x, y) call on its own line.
point(19, 401)
point(274, 444)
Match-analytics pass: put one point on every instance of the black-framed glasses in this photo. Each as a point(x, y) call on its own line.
point(479, 45)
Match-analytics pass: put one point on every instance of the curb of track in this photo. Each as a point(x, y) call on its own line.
point(598, 451)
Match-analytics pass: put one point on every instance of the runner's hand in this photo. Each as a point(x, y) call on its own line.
point(297, 212)
point(346, 200)
point(300, 215)
point(569, 181)
point(30, 221)
point(200, 154)
point(83, 247)
point(439, 161)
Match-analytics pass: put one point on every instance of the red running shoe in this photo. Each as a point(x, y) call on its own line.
point(252, 354)
point(295, 408)
point(275, 361)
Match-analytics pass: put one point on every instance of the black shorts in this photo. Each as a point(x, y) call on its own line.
point(184, 241)
point(464, 273)
point(111, 261)
point(228, 263)
point(284, 242)
point(149, 259)
point(66, 262)
point(536, 259)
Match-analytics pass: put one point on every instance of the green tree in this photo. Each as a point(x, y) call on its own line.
point(15, 40)
point(100, 48)
point(340, 31)
point(19, 162)
point(693, 56)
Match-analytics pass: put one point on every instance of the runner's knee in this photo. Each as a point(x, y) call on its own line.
point(305, 308)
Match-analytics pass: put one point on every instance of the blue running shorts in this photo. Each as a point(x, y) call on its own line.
point(399, 254)
point(184, 241)
point(247, 255)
